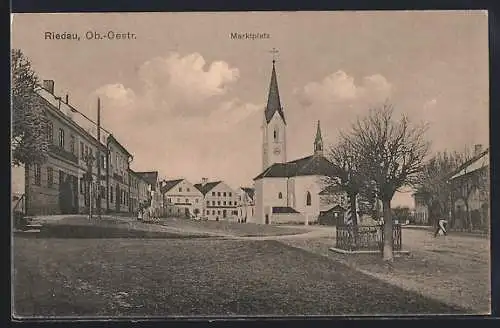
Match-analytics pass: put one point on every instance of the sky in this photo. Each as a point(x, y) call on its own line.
point(188, 100)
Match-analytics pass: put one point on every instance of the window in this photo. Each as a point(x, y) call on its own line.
point(61, 177)
point(213, 193)
point(230, 194)
point(38, 175)
point(276, 134)
point(82, 184)
point(213, 212)
point(280, 195)
point(208, 212)
point(180, 189)
point(230, 202)
point(213, 203)
point(111, 194)
point(187, 201)
point(82, 150)
point(103, 192)
point(61, 138)
point(50, 132)
point(308, 199)
point(218, 212)
point(235, 203)
point(72, 144)
point(218, 202)
point(102, 162)
point(218, 194)
point(50, 177)
point(208, 203)
point(178, 200)
point(224, 194)
point(187, 189)
point(224, 203)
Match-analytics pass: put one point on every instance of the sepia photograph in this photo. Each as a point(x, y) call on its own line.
point(250, 164)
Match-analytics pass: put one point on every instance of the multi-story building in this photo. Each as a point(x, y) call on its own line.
point(470, 194)
point(220, 202)
point(58, 186)
point(246, 203)
point(181, 198)
point(118, 176)
point(154, 196)
point(138, 192)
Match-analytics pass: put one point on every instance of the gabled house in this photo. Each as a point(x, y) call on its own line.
point(153, 186)
point(220, 201)
point(181, 198)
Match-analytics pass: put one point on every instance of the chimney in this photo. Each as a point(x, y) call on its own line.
point(67, 99)
point(204, 181)
point(478, 149)
point(48, 85)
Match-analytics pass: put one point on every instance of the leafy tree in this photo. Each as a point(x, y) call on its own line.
point(29, 142)
point(390, 153)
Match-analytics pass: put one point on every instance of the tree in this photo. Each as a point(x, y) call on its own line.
point(29, 141)
point(391, 153)
point(434, 186)
point(343, 156)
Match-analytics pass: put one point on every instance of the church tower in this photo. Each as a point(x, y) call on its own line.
point(274, 126)
point(318, 142)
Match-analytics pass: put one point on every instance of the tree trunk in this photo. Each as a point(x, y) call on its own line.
point(352, 202)
point(26, 188)
point(388, 242)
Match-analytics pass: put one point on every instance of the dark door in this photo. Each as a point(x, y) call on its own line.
point(118, 198)
point(267, 218)
point(224, 213)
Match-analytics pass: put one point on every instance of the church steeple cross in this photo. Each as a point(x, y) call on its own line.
point(274, 52)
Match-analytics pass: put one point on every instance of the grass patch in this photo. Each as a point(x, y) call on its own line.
point(131, 277)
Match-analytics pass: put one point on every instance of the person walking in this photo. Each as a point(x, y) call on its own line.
point(441, 227)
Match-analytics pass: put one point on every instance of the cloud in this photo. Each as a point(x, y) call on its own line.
point(339, 87)
point(182, 118)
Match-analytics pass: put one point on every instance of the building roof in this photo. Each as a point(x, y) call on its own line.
point(205, 188)
point(283, 210)
point(249, 191)
point(273, 99)
point(333, 209)
point(310, 165)
point(169, 184)
point(111, 138)
point(150, 177)
point(477, 162)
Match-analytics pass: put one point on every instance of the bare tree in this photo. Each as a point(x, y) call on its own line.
point(343, 156)
point(391, 153)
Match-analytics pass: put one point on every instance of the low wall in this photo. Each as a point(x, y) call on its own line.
point(287, 218)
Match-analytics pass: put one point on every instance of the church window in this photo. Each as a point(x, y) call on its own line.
point(276, 134)
point(280, 195)
point(308, 199)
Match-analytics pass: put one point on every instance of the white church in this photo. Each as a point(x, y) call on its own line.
point(290, 191)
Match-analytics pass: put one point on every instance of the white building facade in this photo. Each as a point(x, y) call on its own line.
point(220, 201)
point(181, 197)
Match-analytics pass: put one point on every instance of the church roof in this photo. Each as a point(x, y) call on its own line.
point(205, 188)
point(169, 184)
point(310, 165)
point(273, 99)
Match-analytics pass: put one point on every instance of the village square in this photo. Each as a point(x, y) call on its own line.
point(297, 213)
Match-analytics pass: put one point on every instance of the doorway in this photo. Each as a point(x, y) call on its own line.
point(267, 218)
point(118, 199)
point(224, 214)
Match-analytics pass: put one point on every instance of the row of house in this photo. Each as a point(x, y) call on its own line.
point(469, 197)
point(207, 200)
point(61, 185)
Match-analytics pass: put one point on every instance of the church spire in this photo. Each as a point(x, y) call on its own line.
point(273, 99)
point(318, 142)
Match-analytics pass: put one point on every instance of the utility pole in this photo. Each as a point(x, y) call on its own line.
point(99, 158)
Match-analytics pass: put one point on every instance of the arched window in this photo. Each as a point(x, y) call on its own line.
point(280, 195)
point(308, 199)
point(275, 134)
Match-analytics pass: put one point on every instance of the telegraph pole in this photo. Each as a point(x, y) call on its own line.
point(99, 158)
